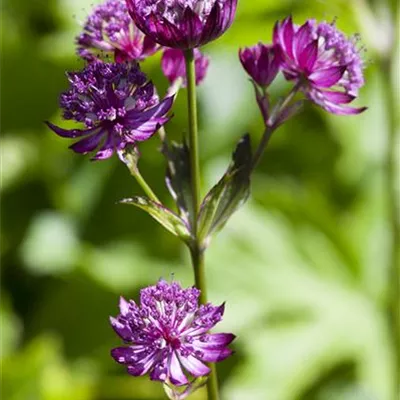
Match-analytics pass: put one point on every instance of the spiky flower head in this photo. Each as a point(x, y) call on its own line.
point(261, 62)
point(110, 29)
point(168, 334)
point(183, 24)
point(117, 105)
point(323, 61)
point(173, 65)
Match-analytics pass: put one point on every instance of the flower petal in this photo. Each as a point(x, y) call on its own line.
point(215, 355)
point(191, 27)
point(194, 366)
point(302, 38)
point(70, 133)
point(127, 355)
point(337, 97)
point(212, 27)
point(214, 340)
point(88, 144)
point(308, 56)
point(107, 150)
point(121, 329)
point(143, 366)
point(327, 77)
point(176, 375)
point(123, 306)
point(288, 35)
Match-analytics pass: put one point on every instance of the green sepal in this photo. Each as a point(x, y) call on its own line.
point(228, 194)
point(163, 215)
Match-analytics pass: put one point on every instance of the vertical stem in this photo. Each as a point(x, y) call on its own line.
point(394, 217)
point(197, 254)
point(388, 65)
point(193, 132)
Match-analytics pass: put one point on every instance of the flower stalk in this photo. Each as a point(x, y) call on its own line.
point(193, 131)
point(143, 184)
point(197, 254)
point(394, 217)
point(273, 123)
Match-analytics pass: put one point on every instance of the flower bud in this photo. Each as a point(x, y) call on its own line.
point(261, 62)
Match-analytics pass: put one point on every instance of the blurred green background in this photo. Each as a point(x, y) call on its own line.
point(303, 266)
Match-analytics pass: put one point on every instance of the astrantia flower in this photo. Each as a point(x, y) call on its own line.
point(183, 24)
point(323, 61)
point(261, 62)
point(167, 334)
point(110, 29)
point(173, 65)
point(116, 103)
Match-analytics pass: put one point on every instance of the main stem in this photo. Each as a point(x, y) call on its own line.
point(196, 252)
point(394, 216)
point(193, 133)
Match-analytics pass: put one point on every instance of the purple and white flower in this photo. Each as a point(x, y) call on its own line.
point(261, 62)
point(168, 334)
point(174, 68)
point(325, 64)
point(117, 105)
point(110, 29)
point(183, 24)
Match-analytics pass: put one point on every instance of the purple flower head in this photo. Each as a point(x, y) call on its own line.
point(173, 65)
point(167, 334)
point(261, 62)
point(319, 57)
point(110, 29)
point(183, 24)
point(117, 105)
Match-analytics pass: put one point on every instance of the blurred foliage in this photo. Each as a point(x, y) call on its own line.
point(302, 267)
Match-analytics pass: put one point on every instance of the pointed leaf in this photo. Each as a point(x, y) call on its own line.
point(228, 194)
point(178, 179)
point(167, 218)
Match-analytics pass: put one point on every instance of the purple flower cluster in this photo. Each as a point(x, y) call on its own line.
point(183, 24)
point(110, 29)
point(116, 103)
point(321, 60)
point(168, 334)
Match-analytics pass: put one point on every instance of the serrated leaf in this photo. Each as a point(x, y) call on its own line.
point(167, 218)
point(178, 179)
point(229, 193)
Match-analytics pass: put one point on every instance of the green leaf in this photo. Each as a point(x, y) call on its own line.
point(167, 218)
point(178, 178)
point(229, 193)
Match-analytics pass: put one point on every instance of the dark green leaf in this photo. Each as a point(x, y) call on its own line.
point(229, 193)
point(178, 179)
point(167, 218)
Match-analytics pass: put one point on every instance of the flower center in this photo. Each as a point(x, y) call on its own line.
point(172, 339)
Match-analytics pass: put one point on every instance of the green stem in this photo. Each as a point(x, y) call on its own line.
point(143, 184)
point(390, 73)
point(269, 129)
point(394, 217)
point(197, 255)
point(193, 132)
